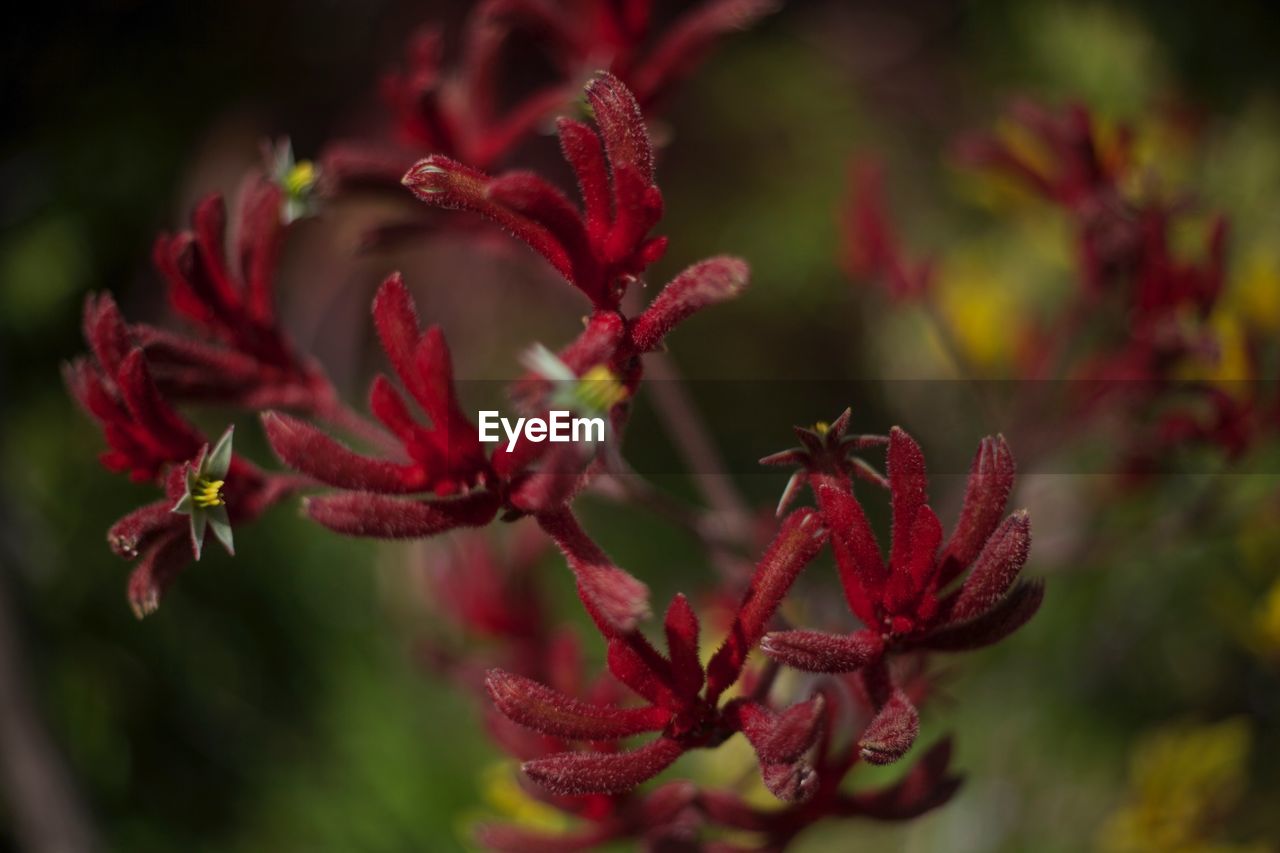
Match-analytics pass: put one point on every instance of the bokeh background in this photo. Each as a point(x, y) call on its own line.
point(281, 700)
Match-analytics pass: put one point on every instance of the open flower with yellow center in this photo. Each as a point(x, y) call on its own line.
point(203, 499)
point(296, 178)
point(593, 394)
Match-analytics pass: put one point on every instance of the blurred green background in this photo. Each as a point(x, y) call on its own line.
point(276, 701)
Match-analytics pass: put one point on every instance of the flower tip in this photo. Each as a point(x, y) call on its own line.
point(425, 177)
point(599, 77)
point(144, 605)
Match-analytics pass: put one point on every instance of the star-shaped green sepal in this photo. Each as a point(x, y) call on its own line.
point(203, 500)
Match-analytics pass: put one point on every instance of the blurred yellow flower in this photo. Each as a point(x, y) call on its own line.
point(1255, 293)
point(505, 799)
point(1266, 624)
point(981, 309)
point(1181, 779)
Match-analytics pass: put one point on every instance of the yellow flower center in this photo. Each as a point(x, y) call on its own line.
point(300, 179)
point(600, 390)
point(208, 493)
point(822, 427)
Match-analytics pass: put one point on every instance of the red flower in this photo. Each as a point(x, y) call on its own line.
point(617, 36)
point(599, 249)
point(872, 246)
point(445, 458)
point(227, 291)
point(151, 442)
point(687, 715)
point(459, 112)
point(904, 603)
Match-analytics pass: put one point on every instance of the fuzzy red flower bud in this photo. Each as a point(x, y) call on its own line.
point(799, 539)
point(578, 773)
point(816, 651)
point(705, 283)
point(681, 627)
point(383, 517)
point(616, 599)
point(596, 255)
point(996, 569)
point(991, 479)
point(1010, 614)
point(544, 710)
point(638, 672)
point(226, 288)
point(901, 599)
point(305, 448)
point(891, 732)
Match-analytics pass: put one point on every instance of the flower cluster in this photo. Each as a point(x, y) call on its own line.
point(458, 110)
point(1140, 334)
point(151, 442)
point(600, 249)
point(417, 469)
point(930, 595)
point(220, 277)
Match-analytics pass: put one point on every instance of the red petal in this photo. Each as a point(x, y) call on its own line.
point(815, 651)
point(991, 478)
point(907, 484)
point(615, 599)
point(647, 675)
point(579, 773)
point(780, 742)
point(157, 570)
point(862, 569)
point(528, 195)
point(442, 182)
point(396, 320)
point(991, 627)
point(892, 732)
point(305, 448)
point(622, 128)
point(910, 581)
point(637, 208)
point(258, 245)
point(105, 331)
point(166, 434)
point(582, 149)
point(689, 39)
point(997, 568)
point(705, 283)
point(544, 710)
point(799, 539)
point(137, 529)
point(681, 626)
point(383, 517)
